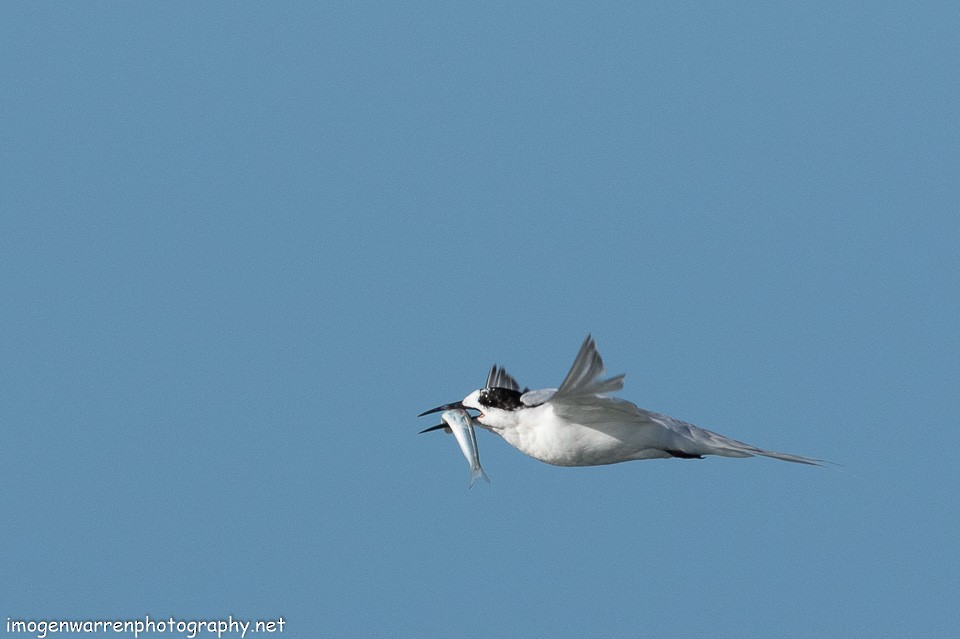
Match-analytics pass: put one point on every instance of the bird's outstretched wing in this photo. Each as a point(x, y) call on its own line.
point(582, 399)
point(584, 376)
point(656, 435)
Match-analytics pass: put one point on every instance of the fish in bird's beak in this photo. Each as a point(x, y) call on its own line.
point(454, 406)
point(458, 421)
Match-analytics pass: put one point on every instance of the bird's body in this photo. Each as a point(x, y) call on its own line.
point(579, 424)
point(541, 434)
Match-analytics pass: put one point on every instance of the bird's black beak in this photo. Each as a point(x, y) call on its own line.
point(452, 406)
point(437, 427)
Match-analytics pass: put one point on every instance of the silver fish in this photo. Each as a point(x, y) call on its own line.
point(460, 423)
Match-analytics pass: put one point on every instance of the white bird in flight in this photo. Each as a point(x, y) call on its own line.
point(579, 424)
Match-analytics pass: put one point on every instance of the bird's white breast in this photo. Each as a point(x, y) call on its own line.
point(539, 433)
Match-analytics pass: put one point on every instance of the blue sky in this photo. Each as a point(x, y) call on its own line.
point(242, 246)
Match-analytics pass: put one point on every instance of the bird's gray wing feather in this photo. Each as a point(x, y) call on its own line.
point(583, 379)
point(499, 378)
point(537, 397)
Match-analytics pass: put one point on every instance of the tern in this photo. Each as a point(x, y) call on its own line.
point(579, 424)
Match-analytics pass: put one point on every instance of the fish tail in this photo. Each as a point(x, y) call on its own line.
point(478, 472)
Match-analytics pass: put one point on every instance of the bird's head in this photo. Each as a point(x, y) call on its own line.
point(497, 406)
